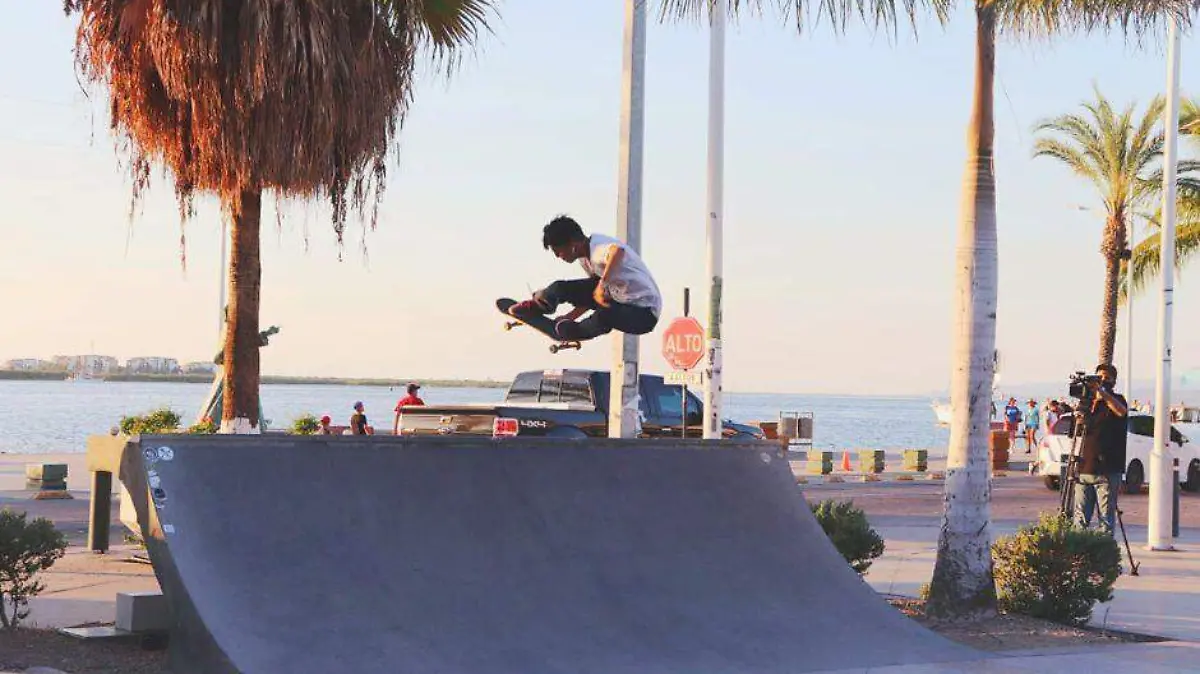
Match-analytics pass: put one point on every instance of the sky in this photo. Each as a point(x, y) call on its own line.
point(844, 159)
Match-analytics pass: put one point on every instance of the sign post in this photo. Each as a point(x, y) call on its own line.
point(683, 349)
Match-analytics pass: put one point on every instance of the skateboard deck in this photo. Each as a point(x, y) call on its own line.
point(541, 324)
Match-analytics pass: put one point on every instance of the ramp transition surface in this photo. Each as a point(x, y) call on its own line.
point(472, 556)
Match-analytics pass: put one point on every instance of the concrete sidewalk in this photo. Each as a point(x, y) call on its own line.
point(1161, 658)
point(82, 587)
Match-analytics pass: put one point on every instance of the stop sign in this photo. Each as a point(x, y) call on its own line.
point(683, 343)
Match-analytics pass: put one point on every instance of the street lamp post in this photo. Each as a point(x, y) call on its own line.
point(623, 407)
point(1161, 490)
point(1129, 309)
point(716, 198)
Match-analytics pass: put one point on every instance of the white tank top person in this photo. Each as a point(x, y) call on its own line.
point(631, 282)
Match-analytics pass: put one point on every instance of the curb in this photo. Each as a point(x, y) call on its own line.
point(865, 478)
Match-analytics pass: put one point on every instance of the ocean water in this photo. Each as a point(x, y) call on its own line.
point(57, 416)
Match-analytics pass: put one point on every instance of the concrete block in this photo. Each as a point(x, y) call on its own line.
point(142, 612)
point(870, 460)
point(819, 463)
point(915, 459)
point(46, 472)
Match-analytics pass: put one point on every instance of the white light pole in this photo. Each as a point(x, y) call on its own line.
point(623, 407)
point(716, 199)
point(1129, 310)
point(1161, 489)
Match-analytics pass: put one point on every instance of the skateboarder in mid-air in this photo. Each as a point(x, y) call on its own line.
point(619, 290)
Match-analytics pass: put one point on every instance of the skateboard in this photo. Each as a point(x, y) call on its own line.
point(540, 323)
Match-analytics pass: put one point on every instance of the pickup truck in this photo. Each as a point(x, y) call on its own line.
point(568, 404)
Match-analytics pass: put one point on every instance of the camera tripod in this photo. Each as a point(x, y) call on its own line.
point(1071, 478)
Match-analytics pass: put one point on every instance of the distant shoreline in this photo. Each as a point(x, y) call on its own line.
point(22, 375)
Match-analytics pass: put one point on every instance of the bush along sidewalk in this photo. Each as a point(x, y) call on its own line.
point(1055, 570)
point(305, 424)
point(163, 420)
point(850, 532)
point(26, 549)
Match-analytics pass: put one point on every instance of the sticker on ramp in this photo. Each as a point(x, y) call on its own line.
point(154, 480)
point(160, 497)
point(765, 456)
point(150, 455)
point(168, 528)
point(166, 453)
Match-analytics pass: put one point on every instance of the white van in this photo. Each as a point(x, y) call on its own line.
point(1137, 454)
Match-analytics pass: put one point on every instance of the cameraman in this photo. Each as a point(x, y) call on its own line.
point(1102, 450)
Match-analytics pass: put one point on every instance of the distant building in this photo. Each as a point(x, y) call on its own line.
point(28, 364)
point(152, 365)
point(200, 367)
point(86, 364)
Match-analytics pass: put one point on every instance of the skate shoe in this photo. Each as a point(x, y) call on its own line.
point(531, 307)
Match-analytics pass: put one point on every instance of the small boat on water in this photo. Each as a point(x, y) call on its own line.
point(943, 412)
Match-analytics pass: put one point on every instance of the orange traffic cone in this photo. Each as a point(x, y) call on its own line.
point(846, 461)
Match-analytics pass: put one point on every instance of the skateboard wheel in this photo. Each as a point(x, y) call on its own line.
point(553, 348)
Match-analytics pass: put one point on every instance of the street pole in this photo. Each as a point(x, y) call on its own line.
point(716, 174)
point(623, 407)
point(683, 427)
point(1161, 489)
point(1129, 311)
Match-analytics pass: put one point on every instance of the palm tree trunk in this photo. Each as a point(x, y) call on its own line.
point(240, 412)
point(1111, 247)
point(962, 576)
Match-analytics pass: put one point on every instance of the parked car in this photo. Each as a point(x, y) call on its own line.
point(569, 404)
point(1137, 454)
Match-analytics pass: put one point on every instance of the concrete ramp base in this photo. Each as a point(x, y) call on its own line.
point(472, 556)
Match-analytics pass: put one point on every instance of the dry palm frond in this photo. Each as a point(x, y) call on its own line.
point(806, 13)
point(302, 97)
point(1031, 19)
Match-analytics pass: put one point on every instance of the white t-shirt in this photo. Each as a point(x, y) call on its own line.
point(630, 282)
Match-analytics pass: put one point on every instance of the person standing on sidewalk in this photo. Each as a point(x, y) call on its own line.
point(410, 400)
point(1102, 450)
point(1033, 418)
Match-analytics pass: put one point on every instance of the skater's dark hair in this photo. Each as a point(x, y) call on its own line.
point(561, 231)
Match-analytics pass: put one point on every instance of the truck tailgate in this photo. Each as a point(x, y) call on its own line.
point(446, 419)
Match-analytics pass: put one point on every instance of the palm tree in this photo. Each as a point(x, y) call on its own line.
point(237, 99)
point(1146, 254)
point(962, 581)
point(1116, 155)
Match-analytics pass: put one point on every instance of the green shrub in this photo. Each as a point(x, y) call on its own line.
point(26, 549)
point(205, 426)
point(162, 420)
point(305, 424)
point(1055, 569)
point(851, 534)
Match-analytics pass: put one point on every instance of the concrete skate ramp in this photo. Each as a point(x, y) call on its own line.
point(457, 556)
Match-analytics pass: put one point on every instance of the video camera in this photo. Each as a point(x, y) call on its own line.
point(1083, 385)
